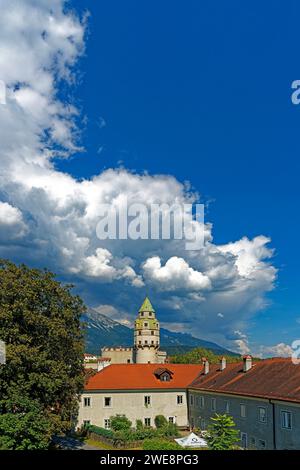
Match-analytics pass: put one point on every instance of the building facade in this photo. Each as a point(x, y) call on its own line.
point(263, 400)
point(118, 355)
point(140, 391)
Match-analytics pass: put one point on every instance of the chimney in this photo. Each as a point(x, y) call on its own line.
point(206, 365)
point(223, 363)
point(247, 363)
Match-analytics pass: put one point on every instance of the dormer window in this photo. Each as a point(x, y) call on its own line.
point(163, 374)
point(150, 314)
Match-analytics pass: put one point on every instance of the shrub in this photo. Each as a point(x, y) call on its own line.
point(170, 430)
point(120, 423)
point(146, 432)
point(125, 435)
point(108, 433)
point(160, 444)
point(139, 424)
point(160, 421)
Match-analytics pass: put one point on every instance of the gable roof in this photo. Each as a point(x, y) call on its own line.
point(276, 378)
point(142, 376)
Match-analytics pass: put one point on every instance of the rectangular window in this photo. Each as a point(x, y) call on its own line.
point(179, 399)
point(201, 401)
point(147, 400)
point(262, 414)
point(286, 420)
point(227, 407)
point(147, 422)
point(243, 411)
point(86, 401)
point(146, 325)
point(172, 419)
point(107, 423)
point(107, 401)
point(86, 422)
point(213, 404)
point(152, 333)
point(261, 444)
point(191, 400)
point(244, 440)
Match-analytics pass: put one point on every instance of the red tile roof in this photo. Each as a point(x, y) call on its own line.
point(275, 378)
point(141, 376)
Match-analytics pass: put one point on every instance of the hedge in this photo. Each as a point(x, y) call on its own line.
point(133, 435)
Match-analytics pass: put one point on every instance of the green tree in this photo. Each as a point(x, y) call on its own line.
point(195, 357)
point(23, 425)
point(222, 434)
point(120, 423)
point(160, 421)
point(43, 374)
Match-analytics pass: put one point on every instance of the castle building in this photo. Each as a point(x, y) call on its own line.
point(146, 341)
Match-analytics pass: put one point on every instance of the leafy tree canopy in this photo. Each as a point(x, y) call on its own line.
point(195, 355)
point(43, 374)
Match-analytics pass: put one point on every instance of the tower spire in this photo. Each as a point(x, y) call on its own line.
point(146, 334)
point(146, 306)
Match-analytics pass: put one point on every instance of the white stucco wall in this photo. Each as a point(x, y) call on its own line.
point(132, 405)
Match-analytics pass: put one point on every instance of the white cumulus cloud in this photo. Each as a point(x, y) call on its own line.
point(176, 274)
point(278, 350)
point(12, 225)
point(49, 218)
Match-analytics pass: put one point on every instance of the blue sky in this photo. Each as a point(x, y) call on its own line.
point(202, 92)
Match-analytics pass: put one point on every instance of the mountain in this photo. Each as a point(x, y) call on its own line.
point(102, 331)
